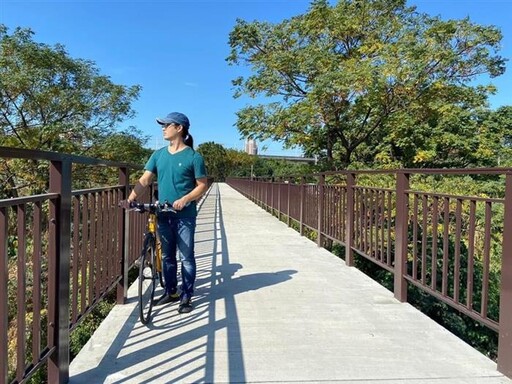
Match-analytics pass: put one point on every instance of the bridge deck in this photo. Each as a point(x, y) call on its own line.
point(272, 307)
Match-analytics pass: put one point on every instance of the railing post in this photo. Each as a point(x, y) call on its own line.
point(267, 198)
point(279, 182)
point(123, 231)
point(288, 221)
point(505, 327)
point(301, 214)
point(321, 182)
point(59, 263)
point(251, 188)
point(400, 284)
point(259, 191)
point(4, 278)
point(349, 221)
point(272, 195)
point(255, 190)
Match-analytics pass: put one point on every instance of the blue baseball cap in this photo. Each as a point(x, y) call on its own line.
point(174, 117)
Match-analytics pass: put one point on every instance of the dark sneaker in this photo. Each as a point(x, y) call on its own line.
point(185, 306)
point(166, 299)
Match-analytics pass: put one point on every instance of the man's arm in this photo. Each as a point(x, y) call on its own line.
point(140, 187)
point(196, 193)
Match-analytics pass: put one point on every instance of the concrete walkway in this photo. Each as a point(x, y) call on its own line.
point(272, 307)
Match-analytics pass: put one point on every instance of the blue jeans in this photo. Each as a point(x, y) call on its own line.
point(177, 234)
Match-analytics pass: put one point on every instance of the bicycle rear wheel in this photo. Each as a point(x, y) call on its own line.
point(147, 280)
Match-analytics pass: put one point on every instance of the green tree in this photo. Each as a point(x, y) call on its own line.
point(215, 159)
point(50, 101)
point(458, 137)
point(240, 163)
point(126, 146)
point(343, 78)
point(221, 163)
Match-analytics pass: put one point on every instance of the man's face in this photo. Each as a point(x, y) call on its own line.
point(171, 131)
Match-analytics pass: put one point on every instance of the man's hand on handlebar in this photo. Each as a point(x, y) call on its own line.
point(166, 207)
point(180, 204)
point(126, 204)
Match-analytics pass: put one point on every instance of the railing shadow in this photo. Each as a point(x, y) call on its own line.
point(185, 348)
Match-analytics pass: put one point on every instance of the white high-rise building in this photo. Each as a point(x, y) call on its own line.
point(250, 147)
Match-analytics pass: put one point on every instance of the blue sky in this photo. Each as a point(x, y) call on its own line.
point(176, 51)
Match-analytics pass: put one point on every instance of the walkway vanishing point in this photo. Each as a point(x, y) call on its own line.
point(272, 307)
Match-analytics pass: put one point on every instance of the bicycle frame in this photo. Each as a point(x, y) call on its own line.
point(158, 248)
point(150, 261)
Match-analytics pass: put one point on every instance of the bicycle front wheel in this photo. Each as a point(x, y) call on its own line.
point(147, 280)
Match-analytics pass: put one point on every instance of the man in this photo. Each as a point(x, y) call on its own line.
point(181, 177)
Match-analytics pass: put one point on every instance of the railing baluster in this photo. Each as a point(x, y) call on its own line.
point(471, 254)
point(124, 231)
point(289, 183)
point(21, 288)
point(321, 183)
point(456, 272)
point(389, 229)
point(371, 223)
point(302, 204)
point(92, 247)
point(36, 290)
point(415, 236)
point(75, 257)
point(85, 252)
point(446, 229)
point(486, 260)
point(424, 230)
point(434, 242)
point(4, 278)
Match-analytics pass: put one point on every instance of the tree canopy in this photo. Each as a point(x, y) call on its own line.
point(51, 101)
point(350, 82)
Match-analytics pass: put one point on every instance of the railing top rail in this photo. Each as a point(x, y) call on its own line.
point(21, 153)
point(427, 171)
point(458, 171)
point(27, 199)
point(95, 190)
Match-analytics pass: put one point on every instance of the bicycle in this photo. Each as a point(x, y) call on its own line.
point(150, 259)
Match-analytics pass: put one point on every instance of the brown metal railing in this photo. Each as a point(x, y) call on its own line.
point(70, 248)
point(449, 246)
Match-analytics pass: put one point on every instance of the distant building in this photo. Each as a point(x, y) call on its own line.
point(250, 147)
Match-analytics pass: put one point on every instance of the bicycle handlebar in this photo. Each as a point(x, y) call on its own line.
point(152, 207)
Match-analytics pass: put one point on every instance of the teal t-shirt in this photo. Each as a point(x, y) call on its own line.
point(176, 175)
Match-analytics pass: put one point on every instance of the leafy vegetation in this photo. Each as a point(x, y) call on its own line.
point(221, 163)
point(50, 101)
point(370, 83)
